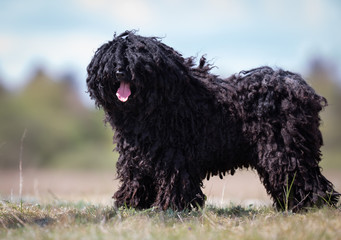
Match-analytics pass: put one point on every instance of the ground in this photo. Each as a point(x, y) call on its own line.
point(97, 187)
point(77, 205)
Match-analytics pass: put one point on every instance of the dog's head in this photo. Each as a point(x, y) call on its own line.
point(132, 69)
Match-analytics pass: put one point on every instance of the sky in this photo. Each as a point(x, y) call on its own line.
point(235, 35)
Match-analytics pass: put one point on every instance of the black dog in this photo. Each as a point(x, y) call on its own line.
point(176, 124)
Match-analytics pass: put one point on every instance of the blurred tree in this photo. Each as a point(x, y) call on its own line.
point(323, 77)
point(2, 89)
point(62, 132)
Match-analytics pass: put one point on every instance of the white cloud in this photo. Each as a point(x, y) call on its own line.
point(305, 14)
point(315, 12)
point(127, 12)
point(169, 16)
point(6, 42)
point(62, 51)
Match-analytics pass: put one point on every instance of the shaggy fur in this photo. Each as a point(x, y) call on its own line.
point(176, 124)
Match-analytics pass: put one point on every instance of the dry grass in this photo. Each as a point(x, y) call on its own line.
point(66, 220)
point(50, 209)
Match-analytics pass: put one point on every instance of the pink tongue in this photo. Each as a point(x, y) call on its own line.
point(123, 92)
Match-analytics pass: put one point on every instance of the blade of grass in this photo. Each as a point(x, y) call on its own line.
point(20, 168)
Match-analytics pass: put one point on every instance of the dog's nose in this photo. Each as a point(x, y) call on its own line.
point(120, 75)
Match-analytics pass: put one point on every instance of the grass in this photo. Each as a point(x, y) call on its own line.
point(66, 220)
point(287, 193)
point(81, 220)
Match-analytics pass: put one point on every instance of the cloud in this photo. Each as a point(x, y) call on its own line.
point(66, 33)
point(69, 51)
point(127, 12)
point(168, 16)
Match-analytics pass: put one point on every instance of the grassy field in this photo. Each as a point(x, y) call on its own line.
point(66, 220)
point(78, 205)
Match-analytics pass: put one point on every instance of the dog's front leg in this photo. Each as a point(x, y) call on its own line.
point(178, 183)
point(137, 188)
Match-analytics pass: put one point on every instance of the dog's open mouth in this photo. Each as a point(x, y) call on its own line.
point(123, 92)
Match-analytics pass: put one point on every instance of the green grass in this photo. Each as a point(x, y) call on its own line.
point(86, 221)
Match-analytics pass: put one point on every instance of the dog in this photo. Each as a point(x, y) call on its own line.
point(176, 124)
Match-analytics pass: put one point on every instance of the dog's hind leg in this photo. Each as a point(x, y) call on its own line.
point(281, 117)
point(288, 160)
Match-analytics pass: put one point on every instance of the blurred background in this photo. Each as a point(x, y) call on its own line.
point(45, 47)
